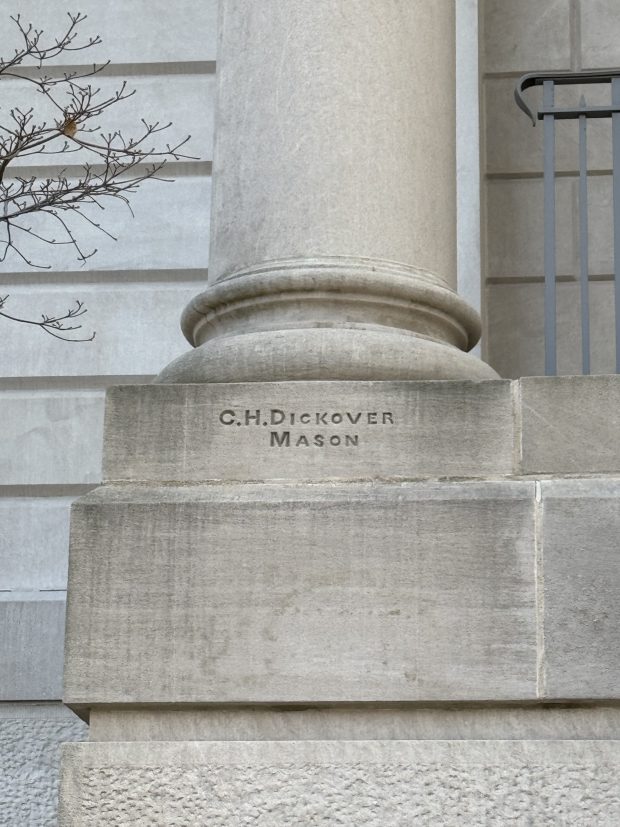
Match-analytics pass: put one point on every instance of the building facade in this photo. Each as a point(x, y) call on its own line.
point(52, 393)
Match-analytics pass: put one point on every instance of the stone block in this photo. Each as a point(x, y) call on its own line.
point(515, 228)
point(51, 437)
point(167, 231)
point(512, 144)
point(309, 431)
point(515, 324)
point(290, 594)
point(521, 37)
point(600, 34)
point(143, 31)
point(570, 425)
point(581, 560)
point(34, 545)
point(31, 645)
point(136, 325)
point(373, 783)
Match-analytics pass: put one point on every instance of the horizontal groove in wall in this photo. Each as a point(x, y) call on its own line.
point(173, 169)
point(188, 67)
point(80, 383)
point(32, 595)
point(20, 392)
point(101, 277)
point(46, 490)
point(505, 75)
point(527, 176)
point(571, 279)
point(515, 75)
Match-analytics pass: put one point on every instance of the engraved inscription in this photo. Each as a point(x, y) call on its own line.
point(308, 429)
point(282, 439)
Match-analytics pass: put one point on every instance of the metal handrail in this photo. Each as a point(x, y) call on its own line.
point(549, 113)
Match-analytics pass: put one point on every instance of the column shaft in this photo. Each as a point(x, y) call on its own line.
point(333, 247)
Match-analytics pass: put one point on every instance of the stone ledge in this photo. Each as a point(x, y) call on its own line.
point(362, 722)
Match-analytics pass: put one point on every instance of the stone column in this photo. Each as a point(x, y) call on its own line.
point(333, 247)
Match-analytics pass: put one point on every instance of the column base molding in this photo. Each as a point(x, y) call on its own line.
point(345, 354)
point(333, 318)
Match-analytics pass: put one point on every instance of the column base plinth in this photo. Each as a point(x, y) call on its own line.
point(324, 354)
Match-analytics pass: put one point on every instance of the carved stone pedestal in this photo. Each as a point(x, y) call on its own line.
point(323, 601)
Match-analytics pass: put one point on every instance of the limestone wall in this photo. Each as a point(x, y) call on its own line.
point(522, 37)
point(52, 393)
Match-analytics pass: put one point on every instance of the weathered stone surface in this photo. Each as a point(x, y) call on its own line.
point(309, 430)
point(357, 723)
point(316, 351)
point(570, 425)
point(600, 45)
point(294, 594)
point(372, 783)
point(31, 645)
point(409, 213)
point(30, 739)
point(34, 543)
point(521, 37)
point(581, 561)
point(51, 437)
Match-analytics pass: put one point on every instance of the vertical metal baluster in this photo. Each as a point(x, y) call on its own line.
point(551, 362)
point(583, 240)
point(615, 119)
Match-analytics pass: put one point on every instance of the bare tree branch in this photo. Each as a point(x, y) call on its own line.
point(53, 325)
point(117, 163)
